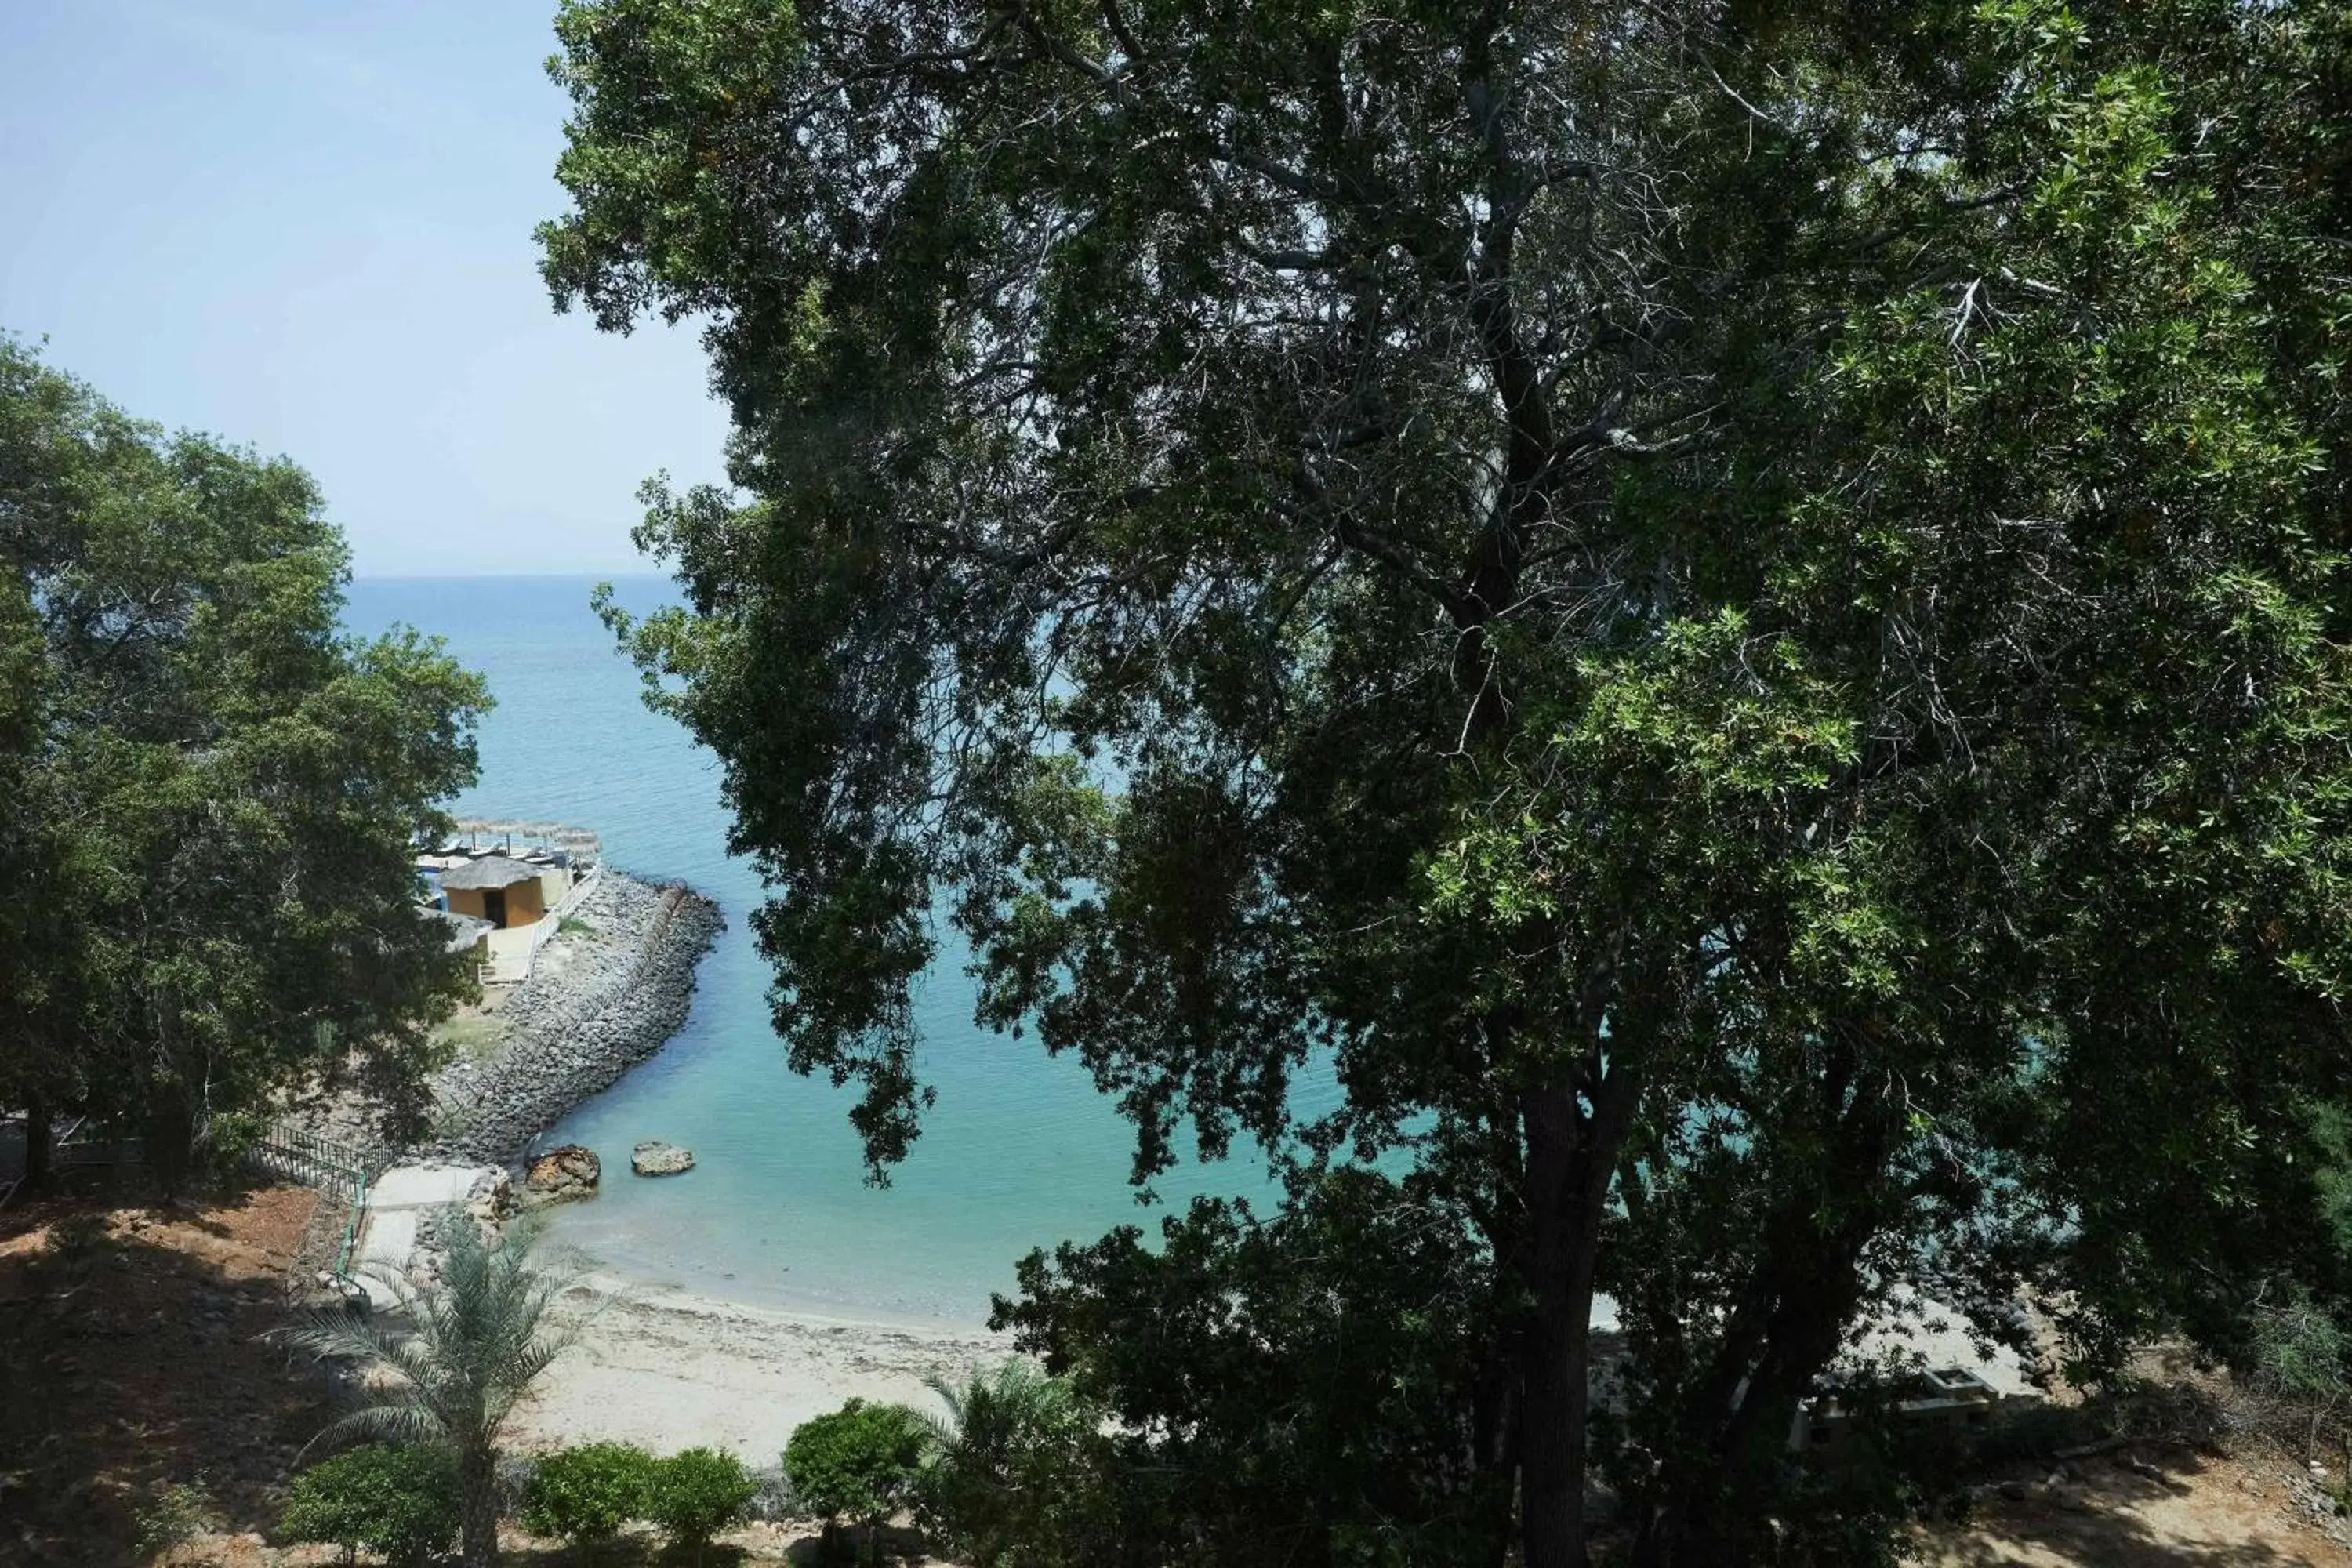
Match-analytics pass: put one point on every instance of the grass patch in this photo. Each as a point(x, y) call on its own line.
point(571, 927)
point(474, 1037)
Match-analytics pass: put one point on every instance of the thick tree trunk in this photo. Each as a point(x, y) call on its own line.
point(1556, 1344)
point(37, 1136)
point(478, 1481)
point(1711, 1521)
point(1571, 1157)
point(1808, 1286)
point(171, 1126)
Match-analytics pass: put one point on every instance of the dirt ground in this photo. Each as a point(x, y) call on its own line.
point(2148, 1505)
point(131, 1358)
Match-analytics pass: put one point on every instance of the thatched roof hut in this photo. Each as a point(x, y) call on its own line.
point(490, 871)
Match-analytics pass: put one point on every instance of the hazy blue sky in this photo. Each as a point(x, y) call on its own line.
point(306, 226)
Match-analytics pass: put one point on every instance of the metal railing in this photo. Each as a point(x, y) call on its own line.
point(336, 1168)
point(312, 1159)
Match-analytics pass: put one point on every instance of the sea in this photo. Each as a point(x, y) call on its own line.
point(1019, 1152)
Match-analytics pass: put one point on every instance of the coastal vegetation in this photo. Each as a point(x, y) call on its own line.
point(856, 1467)
point(1690, 660)
point(445, 1367)
point(1018, 1472)
point(698, 1492)
point(585, 1495)
point(400, 1503)
point(206, 891)
point(1732, 614)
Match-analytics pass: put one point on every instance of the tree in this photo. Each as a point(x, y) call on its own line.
point(585, 1494)
point(447, 1362)
point(1305, 1387)
point(400, 1503)
point(1732, 611)
point(219, 792)
point(1014, 1473)
point(857, 1464)
point(696, 1493)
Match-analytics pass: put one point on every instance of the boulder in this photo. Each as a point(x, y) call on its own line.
point(571, 1171)
point(491, 1197)
point(654, 1158)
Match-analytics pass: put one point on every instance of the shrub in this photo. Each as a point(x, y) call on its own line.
point(586, 1494)
point(696, 1494)
point(178, 1515)
point(229, 1141)
point(400, 1503)
point(1017, 1472)
point(2299, 1365)
point(856, 1465)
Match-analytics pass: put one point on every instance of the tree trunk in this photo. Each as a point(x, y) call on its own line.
point(1806, 1287)
point(37, 1136)
point(478, 1480)
point(1555, 1344)
point(1570, 1160)
point(171, 1126)
point(1494, 1455)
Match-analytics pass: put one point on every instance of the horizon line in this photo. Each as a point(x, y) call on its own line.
point(358, 577)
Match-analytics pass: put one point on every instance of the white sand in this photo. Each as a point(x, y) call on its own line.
point(670, 1370)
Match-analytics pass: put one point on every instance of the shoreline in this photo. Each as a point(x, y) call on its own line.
point(602, 999)
point(670, 1369)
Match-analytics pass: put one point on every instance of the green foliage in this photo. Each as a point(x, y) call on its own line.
point(1311, 1374)
point(696, 1493)
point(857, 1464)
point(585, 1494)
point(1738, 614)
point(446, 1364)
point(180, 1513)
point(1017, 1476)
point(399, 1503)
point(229, 1140)
point(2298, 1361)
point(213, 788)
point(2299, 1351)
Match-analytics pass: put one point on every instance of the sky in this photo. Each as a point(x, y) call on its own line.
point(305, 225)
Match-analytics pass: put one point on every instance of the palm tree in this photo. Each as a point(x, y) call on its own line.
point(996, 1409)
point(448, 1363)
point(1004, 1463)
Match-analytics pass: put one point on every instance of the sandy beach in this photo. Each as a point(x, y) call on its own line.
point(670, 1370)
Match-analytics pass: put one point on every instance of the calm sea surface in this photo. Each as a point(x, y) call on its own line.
point(1020, 1151)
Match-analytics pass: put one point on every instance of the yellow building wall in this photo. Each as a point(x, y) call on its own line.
point(525, 903)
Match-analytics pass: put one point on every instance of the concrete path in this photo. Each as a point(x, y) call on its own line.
point(397, 1201)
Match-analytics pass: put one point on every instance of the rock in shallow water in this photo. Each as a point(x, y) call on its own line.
point(571, 1171)
point(654, 1158)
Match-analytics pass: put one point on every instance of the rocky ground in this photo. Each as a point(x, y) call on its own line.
point(606, 995)
point(607, 992)
point(2152, 1505)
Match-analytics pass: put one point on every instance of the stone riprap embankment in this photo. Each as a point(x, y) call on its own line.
point(604, 996)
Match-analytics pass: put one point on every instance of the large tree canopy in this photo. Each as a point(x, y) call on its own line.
point(210, 892)
point(1736, 608)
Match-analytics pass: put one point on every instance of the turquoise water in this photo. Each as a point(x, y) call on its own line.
point(1019, 1152)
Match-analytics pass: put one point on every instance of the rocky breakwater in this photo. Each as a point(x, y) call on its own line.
point(605, 996)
